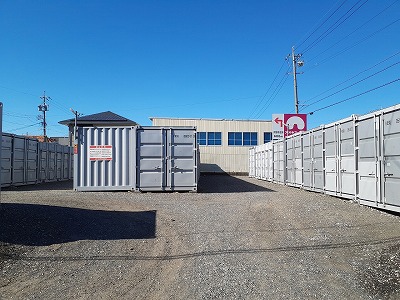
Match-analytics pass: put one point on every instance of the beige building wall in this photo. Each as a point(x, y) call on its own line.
point(224, 158)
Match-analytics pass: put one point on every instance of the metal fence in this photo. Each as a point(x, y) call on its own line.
point(355, 158)
point(27, 161)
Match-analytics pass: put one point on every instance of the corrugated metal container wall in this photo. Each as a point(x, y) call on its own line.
point(167, 159)
point(270, 162)
point(6, 159)
point(105, 159)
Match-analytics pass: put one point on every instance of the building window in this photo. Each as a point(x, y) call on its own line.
point(201, 138)
point(267, 137)
point(209, 138)
point(242, 138)
point(214, 139)
point(249, 138)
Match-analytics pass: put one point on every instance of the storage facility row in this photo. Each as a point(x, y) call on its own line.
point(136, 158)
point(356, 158)
point(27, 161)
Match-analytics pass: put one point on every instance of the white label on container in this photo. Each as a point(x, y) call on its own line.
point(98, 152)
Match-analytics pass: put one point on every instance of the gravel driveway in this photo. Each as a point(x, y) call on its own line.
point(238, 238)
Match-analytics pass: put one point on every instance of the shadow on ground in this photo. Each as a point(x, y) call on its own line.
point(40, 225)
point(54, 185)
point(227, 184)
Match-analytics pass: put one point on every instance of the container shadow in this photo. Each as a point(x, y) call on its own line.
point(41, 225)
point(225, 183)
point(54, 185)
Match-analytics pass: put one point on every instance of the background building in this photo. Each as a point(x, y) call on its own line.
point(107, 119)
point(224, 144)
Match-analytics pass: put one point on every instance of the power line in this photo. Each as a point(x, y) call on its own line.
point(274, 94)
point(376, 73)
point(347, 99)
point(269, 88)
point(355, 30)
point(330, 29)
point(15, 129)
point(330, 16)
point(343, 82)
point(357, 43)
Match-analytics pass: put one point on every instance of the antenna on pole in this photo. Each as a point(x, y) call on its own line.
point(44, 108)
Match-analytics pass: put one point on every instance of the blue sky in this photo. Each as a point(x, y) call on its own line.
point(201, 59)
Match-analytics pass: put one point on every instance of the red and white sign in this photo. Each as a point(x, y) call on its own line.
point(100, 152)
point(284, 125)
point(294, 123)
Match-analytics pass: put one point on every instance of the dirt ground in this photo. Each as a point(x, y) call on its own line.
point(237, 238)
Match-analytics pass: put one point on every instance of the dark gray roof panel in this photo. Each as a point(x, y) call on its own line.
point(107, 116)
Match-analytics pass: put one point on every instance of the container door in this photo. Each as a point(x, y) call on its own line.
point(289, 161)
point(151, 157)
point(307, 161)
point(331, 159)
point(6, 160)
point(368, 157)
point(52, 162)
point(32, 161)
point(298, 167)
point(391, 158)
point(59, 162)
point(270, 165)
point(181, 162)
point(19, 161)
point(317, 159)
point(347, 177)
point(43, 162)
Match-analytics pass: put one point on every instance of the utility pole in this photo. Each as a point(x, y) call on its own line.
point(44, 108)
point(74, 137)
point(296, 62)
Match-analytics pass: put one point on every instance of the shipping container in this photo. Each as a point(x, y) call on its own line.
point(136, 158)
point(356, 158)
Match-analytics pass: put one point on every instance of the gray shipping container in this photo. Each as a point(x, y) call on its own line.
point(356, 158)
point(136, 158)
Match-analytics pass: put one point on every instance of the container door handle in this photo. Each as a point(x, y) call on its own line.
point(371, 174)
point(389, 174)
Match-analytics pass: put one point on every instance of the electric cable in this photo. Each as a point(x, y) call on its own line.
point(327, 19)
point(376, 73)
point(269, 88)
point(358, 95)
point(347, 80)
point(355, 30)
point(330, 29)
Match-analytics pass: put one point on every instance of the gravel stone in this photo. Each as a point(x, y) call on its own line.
point(237, 238)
